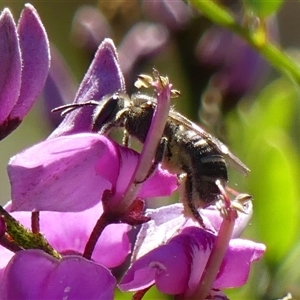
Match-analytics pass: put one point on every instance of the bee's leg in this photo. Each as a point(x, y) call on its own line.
point(186, 190)
point(116, 123)
point(159, 154)
point(126, 138)
point(105, 129)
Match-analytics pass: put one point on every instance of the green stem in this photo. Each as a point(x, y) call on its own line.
point(25, 238)
point(278, 59)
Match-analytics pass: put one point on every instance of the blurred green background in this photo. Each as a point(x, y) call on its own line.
point(262, 128)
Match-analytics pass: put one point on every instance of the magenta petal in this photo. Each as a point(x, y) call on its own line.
point(185, 254)
point(103, 77)
point(213, 215)
point(128, 159)
point(60, 174)
point(5, 255)
point(161, 184)
point(160, 266)
point(89, 28)
point(10, 66)
point(72, 231)
point(68, 233)
point(174, 14)
point(114, 246)
point(237, 262)
point(32, 274)
point(35, 60)
point(142, 41)
point(165, 223)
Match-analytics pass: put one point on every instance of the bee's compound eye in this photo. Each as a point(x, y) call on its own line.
point(105, 112)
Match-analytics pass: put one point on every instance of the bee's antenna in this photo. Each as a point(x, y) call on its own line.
point(67, 108)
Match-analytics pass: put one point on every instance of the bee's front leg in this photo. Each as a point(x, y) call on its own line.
point(106, 128)
point(118, 122)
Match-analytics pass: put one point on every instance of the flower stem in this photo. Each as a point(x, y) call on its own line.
point(35, 222)
point(278, 59)
point(219, 249)
point(152, 141)
point(141, 293)
point(24, 238)
point(216, 257)
point(6, 242)
point(102, 222)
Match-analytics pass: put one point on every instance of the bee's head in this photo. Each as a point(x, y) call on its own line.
point(105, 110)
point(108, 108)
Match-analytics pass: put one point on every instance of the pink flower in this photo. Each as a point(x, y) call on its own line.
point(33, 274)
point(172, 253)
point(24, 62)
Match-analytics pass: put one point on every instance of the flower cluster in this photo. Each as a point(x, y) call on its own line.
point(76, 195)
point(234, 69)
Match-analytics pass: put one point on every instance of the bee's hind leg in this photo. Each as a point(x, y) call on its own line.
point(186, 191)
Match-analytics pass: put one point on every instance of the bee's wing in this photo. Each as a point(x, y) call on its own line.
point(212, 141)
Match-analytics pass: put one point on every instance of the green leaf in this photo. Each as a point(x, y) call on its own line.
point(274, 182)
point(263, 140)
point(274, 107)
point(263, 8)
point(287, 276)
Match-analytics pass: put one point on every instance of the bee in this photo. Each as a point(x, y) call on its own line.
point(185, 149)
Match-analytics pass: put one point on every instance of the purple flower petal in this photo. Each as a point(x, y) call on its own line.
point(68, 233)
point(187, 254)
point(163, 264)
point(114, 246)
point(174, 14)
point(168, 221)
point(35, 60)
point(213, 215)
point(89, 28)
point(237, 261)
point(10, 65)
point(143, 41)
point(71, 173)
point(6, 255)
point(210, 48)
point(60, 174)
point(103, 77)
point(161, 183)
point(238, 67)
point(159, 267)
point(73, 277)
